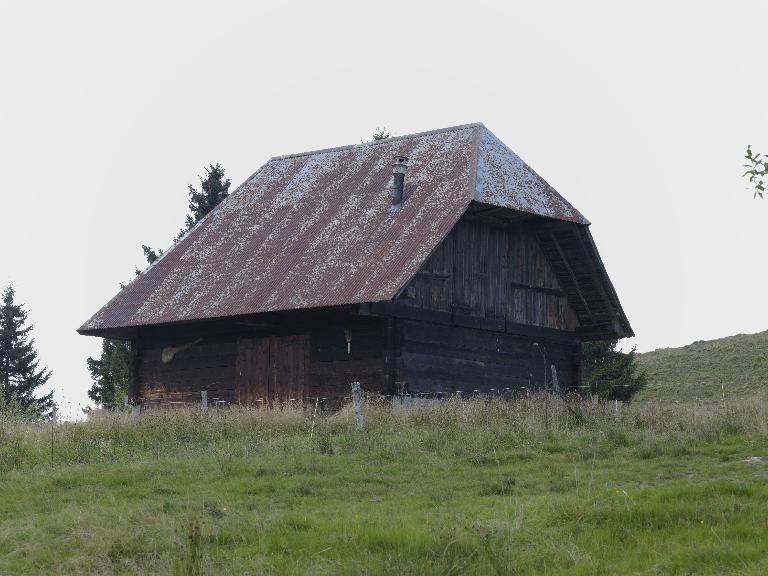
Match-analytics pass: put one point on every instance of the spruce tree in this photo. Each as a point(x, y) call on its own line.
point(21, 375)
point(110, 374)
point(110, 371)
point(213, 190)
point(609, 373)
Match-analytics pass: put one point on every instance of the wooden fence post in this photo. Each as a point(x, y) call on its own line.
point(357, 400)
point(555, 384)
point(204, 401)
point(314, 416)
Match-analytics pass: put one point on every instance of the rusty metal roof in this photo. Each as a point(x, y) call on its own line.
point(318, 229)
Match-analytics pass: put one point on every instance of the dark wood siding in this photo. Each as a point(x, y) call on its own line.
point(491, 271)
point(271, 369)
point(303, 361)
point(334, 366)
point(444, 358)
point(252, 370)
point(466, 322)
point(209, 365)
point(470, 317)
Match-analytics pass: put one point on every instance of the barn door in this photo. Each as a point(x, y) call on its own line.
point(271, 369)
point(289, 359)
point(252, 371)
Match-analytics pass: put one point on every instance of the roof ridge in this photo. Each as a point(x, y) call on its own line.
point(379, 142)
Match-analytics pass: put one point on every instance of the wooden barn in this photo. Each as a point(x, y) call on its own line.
point(427, 264)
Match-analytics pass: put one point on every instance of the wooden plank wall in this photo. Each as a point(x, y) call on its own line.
point(332, 369)
point(211, 364)
point(483, 285)
point(491, 271)
point(448, 359)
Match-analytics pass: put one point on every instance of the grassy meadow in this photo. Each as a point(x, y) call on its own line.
point(707, 371)
point(537, 485)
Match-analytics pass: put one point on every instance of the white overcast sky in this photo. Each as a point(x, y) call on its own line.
point(638, 113)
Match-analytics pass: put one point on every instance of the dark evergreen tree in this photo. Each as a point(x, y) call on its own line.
point(610, 373)
point(110, 374)
point(110, 371)
point(213, 190)
point(21, 375)
point(150, 254)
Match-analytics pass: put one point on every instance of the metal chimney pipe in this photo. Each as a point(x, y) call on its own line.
point(399, 169)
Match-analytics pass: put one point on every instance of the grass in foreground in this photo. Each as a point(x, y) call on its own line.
point(736, 366)
point(534, 486)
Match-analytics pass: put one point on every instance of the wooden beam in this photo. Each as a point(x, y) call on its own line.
point(571, 274)
point(544, 289)
point(599, 331)
point(397, 310)
point(540, 333)
point(598, 276)
point(409, 312)
point(391, 354)
point(133, 380)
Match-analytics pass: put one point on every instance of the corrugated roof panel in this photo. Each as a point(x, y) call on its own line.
point(318, 229)
point(306, 231)
point(503, 179)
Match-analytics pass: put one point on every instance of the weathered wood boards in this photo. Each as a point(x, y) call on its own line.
point(272, 369)
point(209, 365)
point(449, 359)
point(492, 271)
point(249, 366)
point(252, 370)
point(466, 322)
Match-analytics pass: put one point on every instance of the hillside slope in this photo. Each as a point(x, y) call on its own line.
point(736, 365)
point(527, 486)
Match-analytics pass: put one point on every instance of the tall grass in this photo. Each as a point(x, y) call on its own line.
point(488, 485)
point(473, 428)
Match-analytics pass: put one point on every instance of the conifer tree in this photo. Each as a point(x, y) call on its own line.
point(21, 375)
point(110, 370)
point(110, 374)
point(610, 373)
point(213, 190)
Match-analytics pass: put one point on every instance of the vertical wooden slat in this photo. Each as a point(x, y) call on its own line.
point(492, 271)
point(252, 370)
point(288, 363)
point(133, 376)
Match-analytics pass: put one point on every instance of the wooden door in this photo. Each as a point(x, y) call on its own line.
point(289, 360)
point(252, 371)
point(271, 369)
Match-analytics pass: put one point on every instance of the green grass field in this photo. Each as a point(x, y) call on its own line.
point(734, 367)
point(534, 486)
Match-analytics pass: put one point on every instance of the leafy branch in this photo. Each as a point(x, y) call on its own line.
point(757, 171)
